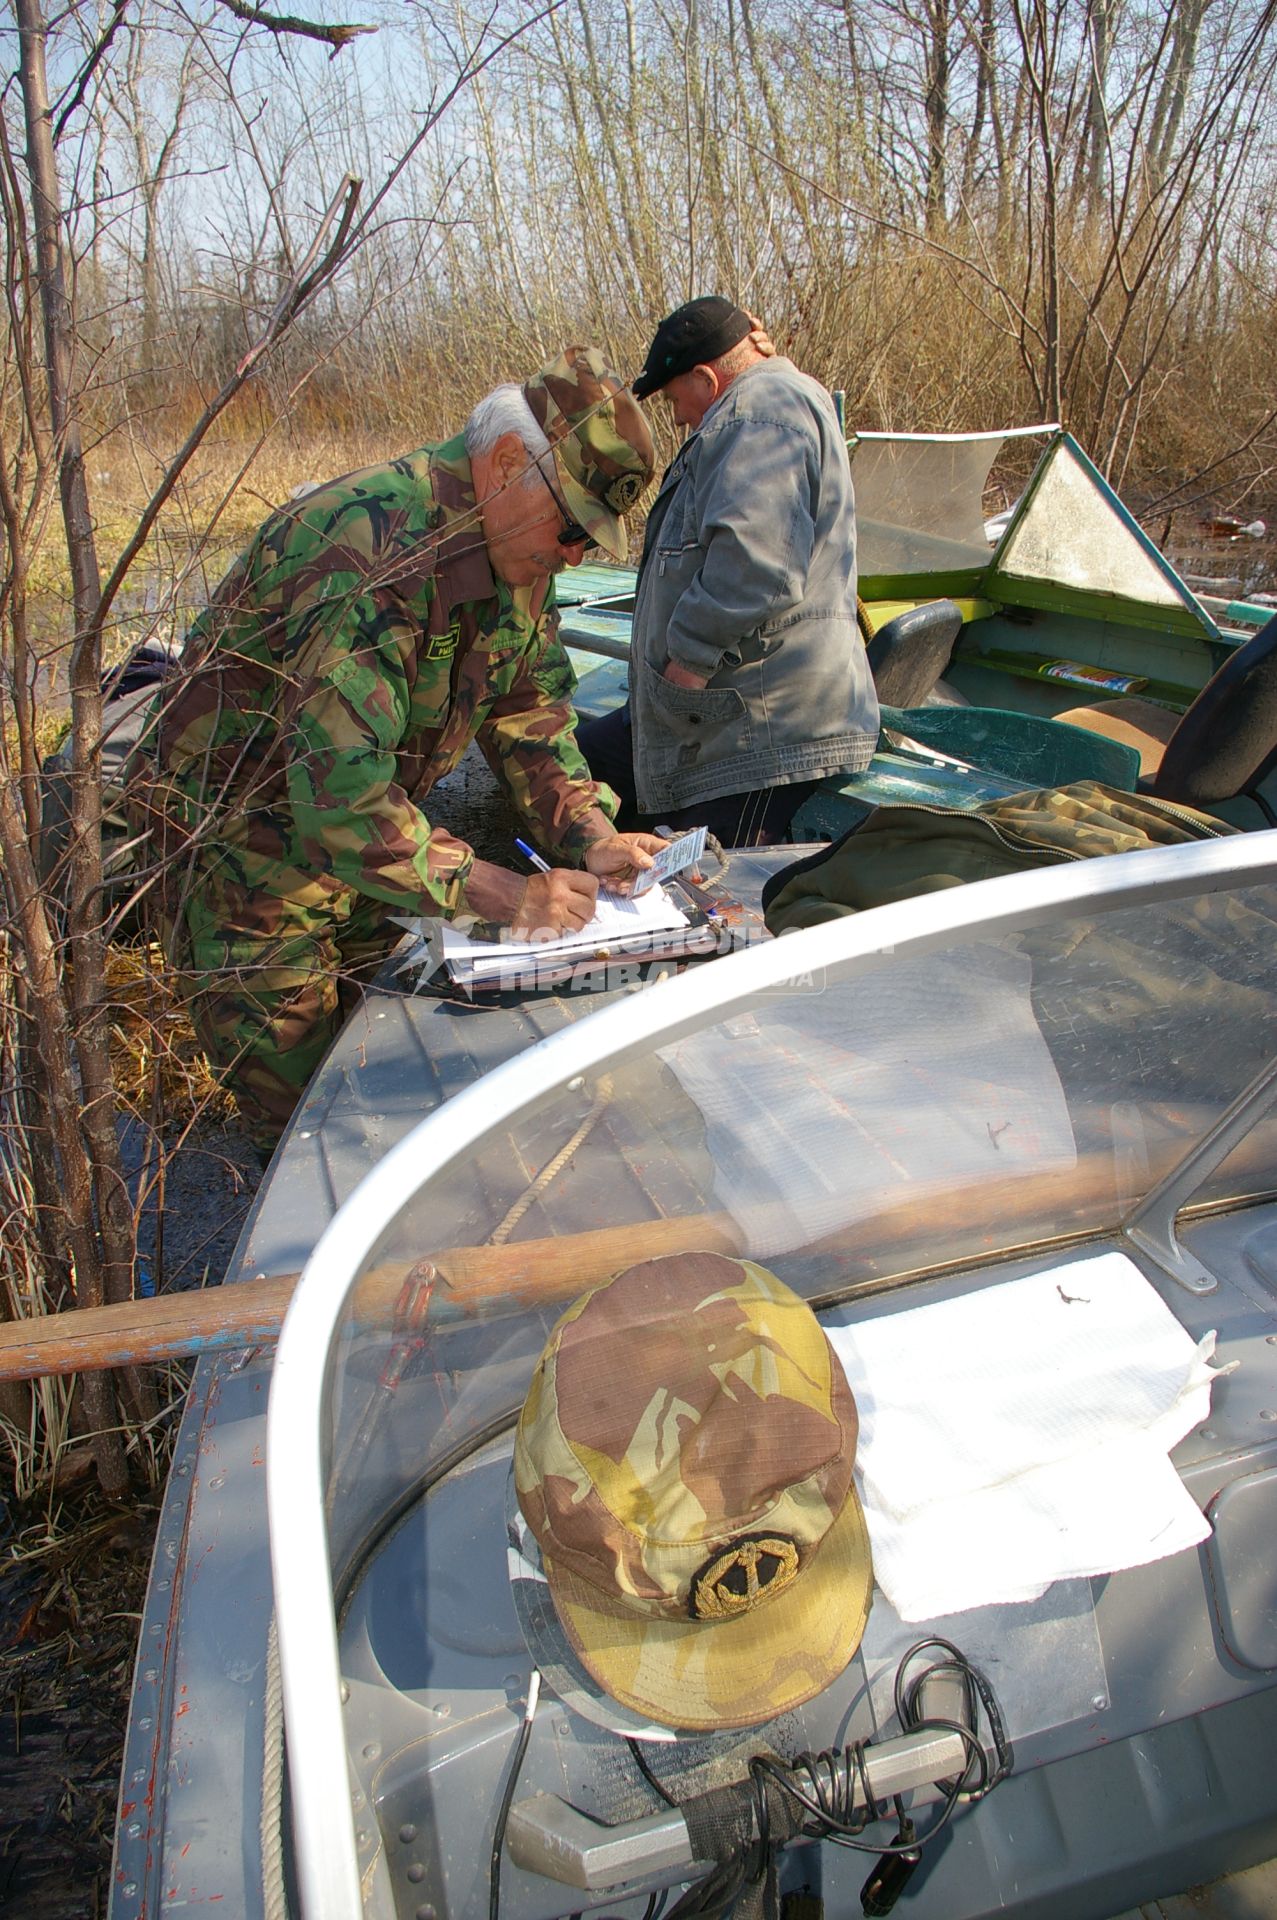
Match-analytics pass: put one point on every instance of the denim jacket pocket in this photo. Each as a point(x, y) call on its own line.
point(678, 559)
point(699, 716)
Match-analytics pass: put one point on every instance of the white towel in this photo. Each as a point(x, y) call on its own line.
point(1020, 1435)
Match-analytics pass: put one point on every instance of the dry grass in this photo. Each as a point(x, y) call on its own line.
point(155, 1057)
point(162, 1080)
point(228, 489)
point(235, 481)
point(905, 338)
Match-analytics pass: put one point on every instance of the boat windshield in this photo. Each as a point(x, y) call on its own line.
point(1068, 545)
point(1071, 540)
point(920, 501)
point(902, 1093)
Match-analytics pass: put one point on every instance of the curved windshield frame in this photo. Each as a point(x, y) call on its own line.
point(310, 1413)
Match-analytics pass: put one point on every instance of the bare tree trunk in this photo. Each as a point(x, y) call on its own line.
point(853, 47)
point(759, 65)
point(986, 100)
point(1168, 116)
point(152, 172)
point(40, 957)
point(936, 109)
point(1016, 143)
point(29, 1092)
point(1037, 43)
point(1092, 175)
point(93, 1180)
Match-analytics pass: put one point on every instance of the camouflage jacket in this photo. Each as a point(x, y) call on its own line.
point(342, 668)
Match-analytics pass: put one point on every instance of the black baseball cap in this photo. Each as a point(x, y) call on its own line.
point(690, 337)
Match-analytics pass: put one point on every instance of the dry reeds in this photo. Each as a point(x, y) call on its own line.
point(155, 1057)
point(164, 1086)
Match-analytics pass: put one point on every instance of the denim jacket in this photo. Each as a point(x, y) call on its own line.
point(749, 576)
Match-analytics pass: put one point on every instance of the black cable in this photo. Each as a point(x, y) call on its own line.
point(507, 1798)
point(644, 1767)
point(829, 1801)
point(977, 1688)
point(765, 1861)
point(827, 1793)
point(828, 1784)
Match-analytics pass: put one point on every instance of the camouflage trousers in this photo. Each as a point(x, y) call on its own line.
point(269, 981)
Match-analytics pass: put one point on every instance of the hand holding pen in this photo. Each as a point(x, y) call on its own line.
point(531, 855)
point(556, 900)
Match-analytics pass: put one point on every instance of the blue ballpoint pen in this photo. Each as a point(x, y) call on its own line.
point(530, 853)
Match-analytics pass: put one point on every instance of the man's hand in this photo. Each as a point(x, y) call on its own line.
point(618, 859)
point(679, 676)
point(560, 901)
point(760, 339)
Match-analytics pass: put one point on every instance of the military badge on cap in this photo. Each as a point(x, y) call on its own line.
point(684, 1463)
point(624, 492)
point(601, 441)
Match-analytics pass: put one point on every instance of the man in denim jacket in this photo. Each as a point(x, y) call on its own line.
point(750, 683)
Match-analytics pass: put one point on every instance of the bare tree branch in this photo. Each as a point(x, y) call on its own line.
point(336, 37)
point(305, 283)
point(90, 67)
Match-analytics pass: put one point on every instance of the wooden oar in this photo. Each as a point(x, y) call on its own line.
point(994, 1216)
point(251, 1312)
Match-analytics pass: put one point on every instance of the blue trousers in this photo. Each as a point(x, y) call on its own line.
point(737, 819)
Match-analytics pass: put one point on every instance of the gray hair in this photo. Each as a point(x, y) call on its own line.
point(735, 360)
point(505, 410)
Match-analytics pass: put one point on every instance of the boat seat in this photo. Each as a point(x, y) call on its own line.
point(907, 655)
point(1223, 746)
point(1141, 724)
point(1020, 746)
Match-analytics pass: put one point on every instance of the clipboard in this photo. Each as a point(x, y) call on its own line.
point(591, 969)
point(579, 962)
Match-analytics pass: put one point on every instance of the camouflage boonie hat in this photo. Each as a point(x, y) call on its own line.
point(684, 1461)
point(598, 432)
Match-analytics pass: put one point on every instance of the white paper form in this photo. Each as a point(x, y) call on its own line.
point(676, 857)
point(618, 921)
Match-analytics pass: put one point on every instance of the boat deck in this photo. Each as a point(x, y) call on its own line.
point(1143, 1719)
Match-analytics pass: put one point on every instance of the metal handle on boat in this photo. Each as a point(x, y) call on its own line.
point(547, 1836)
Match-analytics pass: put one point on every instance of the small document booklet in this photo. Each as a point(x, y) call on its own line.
point(676, 857)
point(623, 927)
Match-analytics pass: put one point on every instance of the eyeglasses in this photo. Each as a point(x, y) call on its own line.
point(572, 533)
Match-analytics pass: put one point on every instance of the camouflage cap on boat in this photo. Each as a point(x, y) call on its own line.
point(604, 448)
point(684, 1459)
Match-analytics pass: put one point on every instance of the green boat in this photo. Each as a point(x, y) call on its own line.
point(1069, 650)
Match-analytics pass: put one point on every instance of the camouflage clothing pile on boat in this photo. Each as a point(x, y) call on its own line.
point(343, 667)
point(895, 852)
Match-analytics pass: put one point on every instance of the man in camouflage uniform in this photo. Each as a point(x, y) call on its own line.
point(371, 631)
